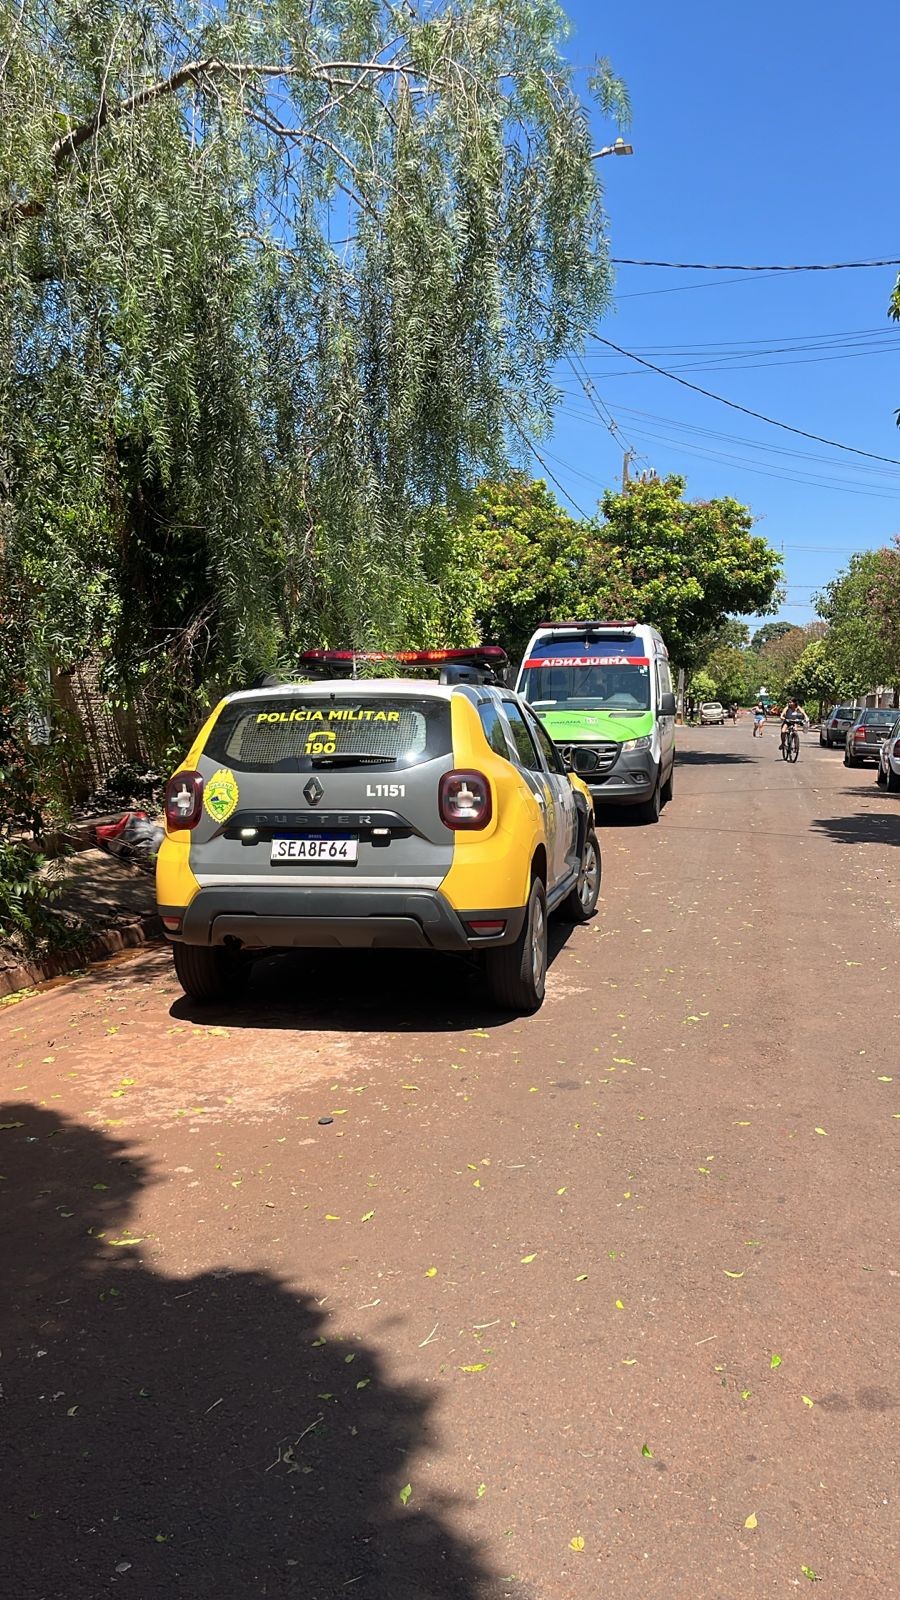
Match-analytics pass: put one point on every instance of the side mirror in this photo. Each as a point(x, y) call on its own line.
point(583, 761)
point(667, 705)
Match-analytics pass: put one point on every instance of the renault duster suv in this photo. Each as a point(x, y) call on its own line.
point(394, 812)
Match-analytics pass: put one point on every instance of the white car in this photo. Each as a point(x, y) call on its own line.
point(711, 711)
point(888, 774)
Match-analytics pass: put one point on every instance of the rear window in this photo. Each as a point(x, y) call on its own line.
point(884, 718)
point(845, 713)
point(291, 733)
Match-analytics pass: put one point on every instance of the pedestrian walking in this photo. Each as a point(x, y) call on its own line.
point(759, 719)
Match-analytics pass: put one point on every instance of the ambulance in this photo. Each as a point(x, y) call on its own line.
point(604, 692)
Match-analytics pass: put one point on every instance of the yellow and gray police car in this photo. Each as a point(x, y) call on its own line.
point(378, 813)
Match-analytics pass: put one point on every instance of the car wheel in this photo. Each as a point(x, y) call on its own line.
point(892, 781)
point(208, 972)
point(581, 903)
point(849, 760)
point(648, 810)
point(880, 776)
point(822, 739)
point(517, 973)
point(668, 788)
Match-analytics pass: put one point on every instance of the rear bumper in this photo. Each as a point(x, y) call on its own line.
point(286, 917)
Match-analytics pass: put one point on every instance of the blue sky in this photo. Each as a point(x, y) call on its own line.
point(762, 133)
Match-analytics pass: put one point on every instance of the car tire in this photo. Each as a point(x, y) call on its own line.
point(849, 761)
point(892, 782)
point(668, 789)
point(823, 741)
point(648, 811)
point(517, 973)
point(581, 903)
point(208, 972)
point(880, 776)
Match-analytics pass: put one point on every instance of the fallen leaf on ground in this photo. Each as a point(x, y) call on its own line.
point(367, 1216)
point(526, 1259)
point(751, 1520)
point(480, 1490)
point(582, 1277)
point(808, 1571)
point(431, 1272)
point(806, 1400)
point(822, 1131)
point(646, 1452)
point(577, 1543)
point(732, 1274)
point(619, 1306)
point(405, 1494)
point(476, 1366)
point(775, 1362)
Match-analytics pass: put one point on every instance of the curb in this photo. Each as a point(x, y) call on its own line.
point(99, 947)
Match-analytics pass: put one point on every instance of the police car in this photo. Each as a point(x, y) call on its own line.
point(388, 812)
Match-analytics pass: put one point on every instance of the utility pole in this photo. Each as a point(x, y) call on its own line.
point(626, 463)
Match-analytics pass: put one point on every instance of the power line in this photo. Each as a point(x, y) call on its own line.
point(539, 458)
point(717, 266)
point(760, 416)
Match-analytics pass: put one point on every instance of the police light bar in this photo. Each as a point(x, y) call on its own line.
point(611, 628)
point(488, 655)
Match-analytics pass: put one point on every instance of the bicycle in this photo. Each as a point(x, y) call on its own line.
point(790, 744)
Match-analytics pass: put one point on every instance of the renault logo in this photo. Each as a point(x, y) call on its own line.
point(313, 792)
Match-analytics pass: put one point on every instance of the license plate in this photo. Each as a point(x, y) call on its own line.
point(322, 848)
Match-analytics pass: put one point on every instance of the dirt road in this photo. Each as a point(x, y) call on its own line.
point(359, 1291)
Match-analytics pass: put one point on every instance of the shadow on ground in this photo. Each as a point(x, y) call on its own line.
point(198, 1437)
point(362, 991)
point(862, 828)
point(711, 758)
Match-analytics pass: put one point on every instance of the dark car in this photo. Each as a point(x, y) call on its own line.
point(837, 724)
point(868, 733)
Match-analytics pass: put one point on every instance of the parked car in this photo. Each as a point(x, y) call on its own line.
point(867, 733)
point(888, 774)
point(835, 727)
point(711, 712)
point(388, 813)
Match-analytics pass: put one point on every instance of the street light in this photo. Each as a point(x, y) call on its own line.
point(620, 148)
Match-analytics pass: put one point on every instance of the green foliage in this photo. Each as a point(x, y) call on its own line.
point(885, 599)
point(703, 686)
point(727, 667)
point(532, 562)
point(681, 565)
point(688, 562)
point(859, 641)
point(815, 678)
point(768, 631)
point(275, 283)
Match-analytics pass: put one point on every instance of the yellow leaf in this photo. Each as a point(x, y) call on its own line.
point(330, 1218)
point(431, 1272)
point(367, 1216)
point(732, 1274)
point(577, 1543)
point(629, 1361)
point(525, 1259)
point(751, 1520)
point(128, 1240)
point(885, 1080)
point(619, 1306)
point(412, 1087)
point(477, 1366)
point(822, 1131)
point(562, 1190)
point(582, 1276)
point(806, 1400)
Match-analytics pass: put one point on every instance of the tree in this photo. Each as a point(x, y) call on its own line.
point(275, 283)
point(815, 676)
point(859, 646)
point(532, 562)
point(727, 668)
point(678, 564)
point(703, 686)
point(885, 597)
point(769, 631)
point(688, 562)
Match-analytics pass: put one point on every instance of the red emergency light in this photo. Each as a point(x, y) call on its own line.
point(492, 655)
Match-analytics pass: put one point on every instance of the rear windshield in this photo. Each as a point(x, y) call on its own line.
point(885, 717)
point(846, 713)
point(291, 733)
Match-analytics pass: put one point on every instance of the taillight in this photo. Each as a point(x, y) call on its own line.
point(897, 749)
point(184, 800)
point(859, 733)
point(464, 800)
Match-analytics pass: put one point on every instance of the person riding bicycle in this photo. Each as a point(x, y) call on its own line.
point(792, 716)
